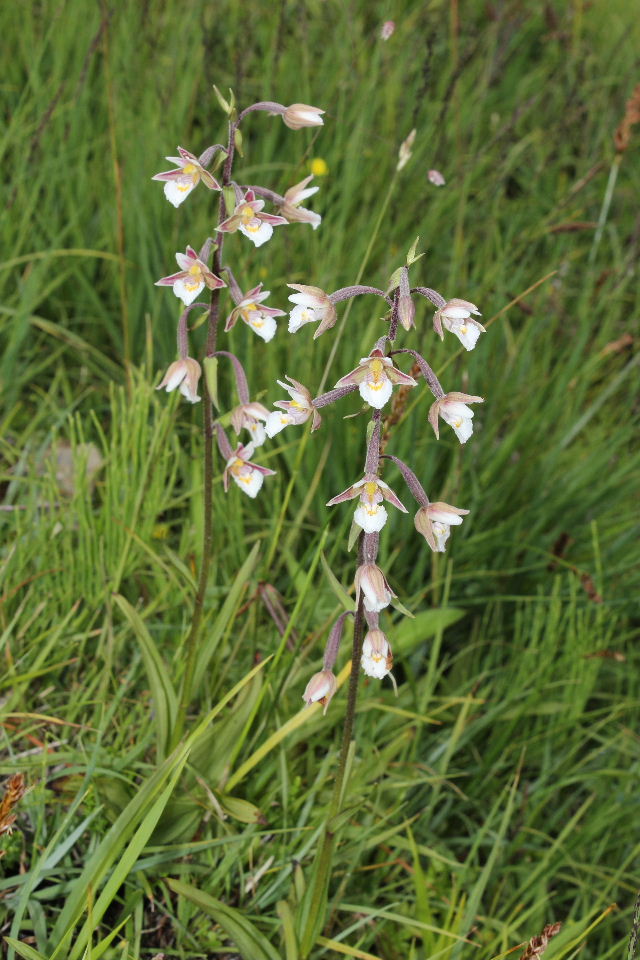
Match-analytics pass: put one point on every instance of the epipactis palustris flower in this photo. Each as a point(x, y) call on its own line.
point(255, 315)
point(434, 522)
point(300, 115)
point(248, 416)
point(455, 316)
point(291, 209)
point(320, 689)
point(454, 410)
point(370, 514)
point(249, 476)
point(312, 304)
point(179, 183)
point(294, 411)
point(249, 219)
point(376, 376)
point(194, 276)
point(372, 582)
point(387, 30)
point(183, 373)
point(377, 659)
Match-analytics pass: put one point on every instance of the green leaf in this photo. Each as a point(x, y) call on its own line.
point(241, 809)
point(164, 697)
point(409, 634)
point(29, 953)
point(338, 589)
point(288, 930)
point(250, 942)
point(394, 280)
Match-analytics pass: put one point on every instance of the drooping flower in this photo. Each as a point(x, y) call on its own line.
point(376, 376)
point(300, 115)
point(387, 30)
point(190, 172)
point(321, 687)
point(454, 410)
point(194, 276)
point(258, 317)
point(183, 373)
point(249, 219)
point(370, 515)
point(377, 658)
point(312, 304)
point(372, 582)
point(455, 316)
point(248, 416)
point(435, 521)
point(249, 476)
point(295, 411)
point(291, 209)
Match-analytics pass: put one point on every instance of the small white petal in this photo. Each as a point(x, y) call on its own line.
point(258, 434)
point(250, 482)
point(187, 289)
point(455, 313)
point(258, 235)
point(187, 392)
point(374, 667)
point(276, 422)
point(443, 516)
point(299, 316)
point(376, 393)
point(441, 533)
point(371, 517)
point(176, 191)
point(262, 324)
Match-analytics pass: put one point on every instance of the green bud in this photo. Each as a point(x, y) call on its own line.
point(210, 365)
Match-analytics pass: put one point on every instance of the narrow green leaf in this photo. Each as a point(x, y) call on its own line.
point(165, 701)
point(248, 939)
point(29, 953)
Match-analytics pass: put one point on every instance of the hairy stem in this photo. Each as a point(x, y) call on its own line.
point(191, 644)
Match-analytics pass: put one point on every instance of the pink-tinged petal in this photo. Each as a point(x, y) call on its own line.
point(209, 180)
point(230, 225)
point(355, 376)
point(169, 281)
point(265, 471)
point(271, 218)
point(231, 321)
point(188, 157)
point(191, 252)
point(389, 495)
point(397, 376)
point(212, 281)
point(254, 296)
point(349, 494)
point(168, 175)
point(250, 197)
point(258, 235)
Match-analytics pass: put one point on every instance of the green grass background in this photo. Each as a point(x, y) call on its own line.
point(499, 792)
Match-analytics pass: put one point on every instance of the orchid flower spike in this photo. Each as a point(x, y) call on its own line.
point(372, 582)
point(377, 659)
point(291, 209)
point(247, 416)
point(259, 318)
point(300, 115)
point(249, 476)
point(370, 515)
point(312, 304)
point(376, 376)
point(295, 411)
point(190, 171)
point(434, 522)
point(249, 219)
point(183, 373)
point(320, 688)
point(455, 316)
point(454, 410)
point(194, 276)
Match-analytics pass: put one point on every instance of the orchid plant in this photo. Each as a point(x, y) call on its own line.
point(240, 210)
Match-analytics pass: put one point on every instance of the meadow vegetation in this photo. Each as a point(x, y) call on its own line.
point(499, 791)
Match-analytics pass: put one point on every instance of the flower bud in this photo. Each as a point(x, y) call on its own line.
point(436, 178)
point(300, 115)
point(372, 582)
point(387, 29)
point(184, 374)
point(320, 688)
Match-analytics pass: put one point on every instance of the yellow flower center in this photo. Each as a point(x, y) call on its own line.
point(190, 168)
point(248, 214)
point(458, 422)
point(370, 489)
point(377, 369)
point(236, 467)
point(195, 270)
point(463, 329)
